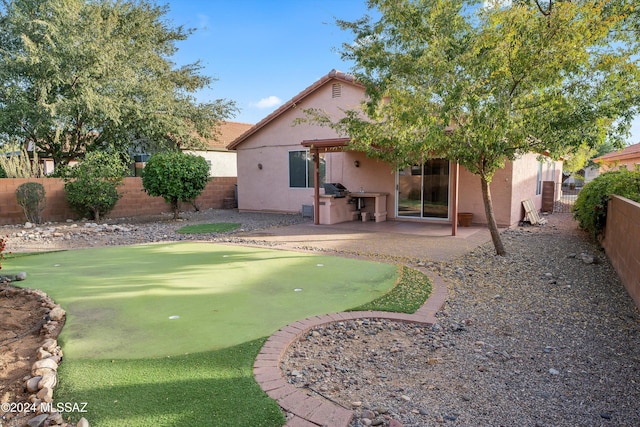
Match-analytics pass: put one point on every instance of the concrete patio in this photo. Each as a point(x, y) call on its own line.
point(412, 240)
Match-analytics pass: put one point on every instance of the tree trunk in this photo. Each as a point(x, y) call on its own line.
point(176, 210)
point(491, 219)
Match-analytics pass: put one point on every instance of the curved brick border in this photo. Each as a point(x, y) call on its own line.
point(307, 410)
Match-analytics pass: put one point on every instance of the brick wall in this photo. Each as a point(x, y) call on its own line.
point(134, 201)
point(622, 242)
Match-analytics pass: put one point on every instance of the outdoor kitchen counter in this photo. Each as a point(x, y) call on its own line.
point(372, 203)
point(334, 210)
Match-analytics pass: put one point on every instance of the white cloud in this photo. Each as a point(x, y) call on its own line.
point(203, 22)
point(269, 102)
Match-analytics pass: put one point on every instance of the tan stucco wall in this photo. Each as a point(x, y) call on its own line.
point(223, 163)
point(372, 175)
point(470, 195)
point(510, 186)
point(268, 188)
point(263, 167)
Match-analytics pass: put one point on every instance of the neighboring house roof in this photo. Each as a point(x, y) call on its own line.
point(630, 152)
point(333, 75)
point(227, 132)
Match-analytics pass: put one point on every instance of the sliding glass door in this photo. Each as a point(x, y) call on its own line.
point(423, 190)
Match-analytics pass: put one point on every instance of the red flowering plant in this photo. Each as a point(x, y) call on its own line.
point(3, 245)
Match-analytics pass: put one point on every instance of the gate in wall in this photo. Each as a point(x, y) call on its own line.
point(567, 199)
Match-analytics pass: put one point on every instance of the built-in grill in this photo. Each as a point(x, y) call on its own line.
point(335, 189)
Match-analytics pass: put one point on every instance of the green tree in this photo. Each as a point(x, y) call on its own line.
point(176, 177)
point(91, 186)
point(484, 84)
point(80, 75)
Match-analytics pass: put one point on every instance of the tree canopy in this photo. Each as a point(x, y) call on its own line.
point(484, 82)
point(79, 75)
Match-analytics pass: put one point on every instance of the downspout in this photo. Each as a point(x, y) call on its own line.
point(454, 199)
point(316, 186)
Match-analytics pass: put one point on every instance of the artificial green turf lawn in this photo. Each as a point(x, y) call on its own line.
point(135, 366)
point(214, 388)
point(120, 300)
point(407, 296)
point(219, 227)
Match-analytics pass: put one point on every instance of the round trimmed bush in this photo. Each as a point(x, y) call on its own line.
point(176, 177)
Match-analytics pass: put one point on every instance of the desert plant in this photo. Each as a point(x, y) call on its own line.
point(91, 185)
point(31, 198)
point(176, 177)
point(19, 165)
point(3, 246)
point(590, 208)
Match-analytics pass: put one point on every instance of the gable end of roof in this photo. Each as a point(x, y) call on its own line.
point(332, 75)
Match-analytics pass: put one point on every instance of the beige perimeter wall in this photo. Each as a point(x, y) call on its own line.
point(134, 202)
point(622, 242)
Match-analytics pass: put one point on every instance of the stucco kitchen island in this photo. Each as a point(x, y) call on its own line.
point(351, 207)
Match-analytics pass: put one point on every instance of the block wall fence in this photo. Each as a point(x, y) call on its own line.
point(622, 242)
point(134, 202)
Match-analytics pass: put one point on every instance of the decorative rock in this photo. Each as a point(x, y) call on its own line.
point(368, 414)
point(50, 345)
point(586, 258)
point(395, 423)
point(57, 313)
point(42, 353)
point(37, 421)
point(28, 225)
point(48, 363)
point(554, 371)
point(32, 384)
point(356, 404)
point(83, 422)
point(21, 276)
point(49, 380)
point(45, 394)
point(55, 418)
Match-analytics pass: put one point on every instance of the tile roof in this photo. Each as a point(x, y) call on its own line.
point(227, 132)
point(333, 75)
point(629, 152)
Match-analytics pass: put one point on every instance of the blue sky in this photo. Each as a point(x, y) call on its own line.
point(264, 52)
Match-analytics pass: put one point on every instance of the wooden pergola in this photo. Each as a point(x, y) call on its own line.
point(317, 146)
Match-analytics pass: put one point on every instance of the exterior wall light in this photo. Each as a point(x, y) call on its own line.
point(356, 163)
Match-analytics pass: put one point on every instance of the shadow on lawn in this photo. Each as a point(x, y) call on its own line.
point(209, 388)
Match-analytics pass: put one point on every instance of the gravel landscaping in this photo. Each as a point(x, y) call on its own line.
point(129, 231)
point(546, 336)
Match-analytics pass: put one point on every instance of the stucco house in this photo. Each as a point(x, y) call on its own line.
point(628, 157)
point(277, 172)
point(222, 162)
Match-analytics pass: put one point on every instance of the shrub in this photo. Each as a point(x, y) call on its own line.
point(176, 177)
point(590, 208)
point(91, 185)
point(31, 197)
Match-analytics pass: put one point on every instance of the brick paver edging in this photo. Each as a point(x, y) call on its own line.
point(307, 410)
